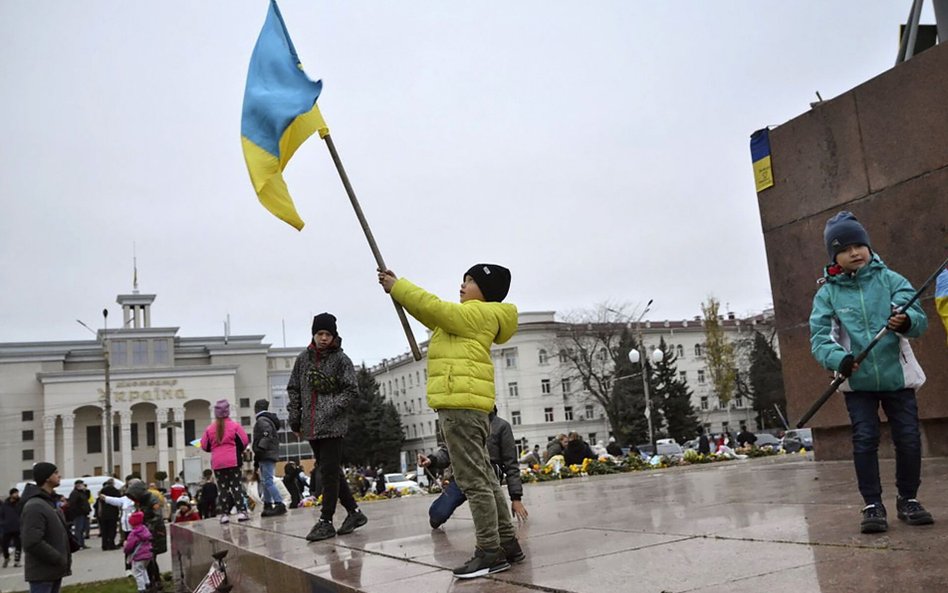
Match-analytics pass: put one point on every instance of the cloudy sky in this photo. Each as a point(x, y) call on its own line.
point(598, 149)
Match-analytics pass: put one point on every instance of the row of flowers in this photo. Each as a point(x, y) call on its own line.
point(556, 469)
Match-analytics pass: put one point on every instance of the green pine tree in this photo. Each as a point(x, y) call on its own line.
point(375, 431)
point(766, 382)
point(627, 404)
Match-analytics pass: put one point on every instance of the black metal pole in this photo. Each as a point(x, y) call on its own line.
point(862, 355)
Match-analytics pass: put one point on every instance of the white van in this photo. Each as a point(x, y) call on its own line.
point(66, 485)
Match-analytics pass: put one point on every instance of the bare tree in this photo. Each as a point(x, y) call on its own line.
point(593, 345)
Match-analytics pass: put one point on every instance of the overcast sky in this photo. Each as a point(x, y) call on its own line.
point(598, 149)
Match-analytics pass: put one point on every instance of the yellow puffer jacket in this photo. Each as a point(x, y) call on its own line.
point(460, 370)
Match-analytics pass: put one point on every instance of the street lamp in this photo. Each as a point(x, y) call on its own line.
point(657, 357)
point(109, 468)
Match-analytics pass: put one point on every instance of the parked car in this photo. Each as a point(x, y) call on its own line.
point(400, 482)
point(691, 445)
point(794, 440)
point(646, 449)
point(765, 439)
point(671, 450)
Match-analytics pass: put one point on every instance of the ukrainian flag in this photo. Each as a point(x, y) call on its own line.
point(760, 156)
point(941, 296)
point(279, 114)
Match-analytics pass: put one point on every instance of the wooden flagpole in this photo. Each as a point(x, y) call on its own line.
point(324, 134)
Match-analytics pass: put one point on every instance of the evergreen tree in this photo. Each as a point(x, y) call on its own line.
point(673, 398)
point(626, 408)
point(375, 431)
point(766, 382)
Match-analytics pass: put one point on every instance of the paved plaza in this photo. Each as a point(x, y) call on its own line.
point(774, 525)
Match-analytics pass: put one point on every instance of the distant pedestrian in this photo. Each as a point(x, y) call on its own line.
point(138, 552)
point(704, 445)
point(79, 509)
point(577, 450)
point(613, 448)
point(177, 490)
point(10, 527)
point(108, 515)
point(555, 447)
point(45, 538)
point(207, 495)
point(746, 438)
point(293, 482)
point(266, 453)
point(226, 441)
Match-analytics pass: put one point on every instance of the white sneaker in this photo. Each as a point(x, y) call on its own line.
point(243, 517)
point(225, 519)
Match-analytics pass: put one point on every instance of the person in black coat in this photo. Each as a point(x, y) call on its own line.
point(46, 540)
point(10, 528)
point(613, 448)
point(207, 496)
point(704, 446)
point(108, 516)
point(292, 481)
point(79, 509)
point(577, 450)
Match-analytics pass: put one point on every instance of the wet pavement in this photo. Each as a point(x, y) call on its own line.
point(774, 525)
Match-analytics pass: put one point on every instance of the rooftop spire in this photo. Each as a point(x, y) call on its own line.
point(134, 269)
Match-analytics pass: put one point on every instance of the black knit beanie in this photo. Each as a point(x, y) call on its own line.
point(42, 471)
point(261, 405)
point(326, 321)
point(493, 280)
point(843, 230)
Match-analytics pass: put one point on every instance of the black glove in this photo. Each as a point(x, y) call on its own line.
point(846, 365)
point(295, 426)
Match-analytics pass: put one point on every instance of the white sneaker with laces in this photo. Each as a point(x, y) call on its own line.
point(225, 519)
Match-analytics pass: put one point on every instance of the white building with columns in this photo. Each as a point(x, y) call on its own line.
point(162, 389)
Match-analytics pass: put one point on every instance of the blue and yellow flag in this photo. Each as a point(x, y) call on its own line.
point(941, 296)
point(279, 114)
point(760, 155)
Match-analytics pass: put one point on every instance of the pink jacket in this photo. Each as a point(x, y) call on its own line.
point(139, 537)
point(225, 454)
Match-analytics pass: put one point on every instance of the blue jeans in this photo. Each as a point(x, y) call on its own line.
point(270, 492)
point(45, 586)
point(901, 409)
point(79, 525)
point(443, 507)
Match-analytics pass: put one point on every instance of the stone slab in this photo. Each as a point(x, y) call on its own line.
point(772, 524)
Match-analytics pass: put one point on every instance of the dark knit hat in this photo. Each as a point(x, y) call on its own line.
point(222, 409)
point(261, 405)
point(493, 280)
point(843, 230)
point(42, 471)
point(326, 321)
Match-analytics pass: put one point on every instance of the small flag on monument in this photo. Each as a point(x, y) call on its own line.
point(760, 156)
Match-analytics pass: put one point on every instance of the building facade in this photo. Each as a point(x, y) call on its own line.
point(537, 393)
point(162, 391)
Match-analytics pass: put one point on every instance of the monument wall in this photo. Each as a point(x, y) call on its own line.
point(879, 150)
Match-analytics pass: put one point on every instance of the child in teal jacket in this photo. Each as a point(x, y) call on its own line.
point(857, 297)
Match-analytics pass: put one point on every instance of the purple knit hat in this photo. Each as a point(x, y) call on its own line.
point(222, 409)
